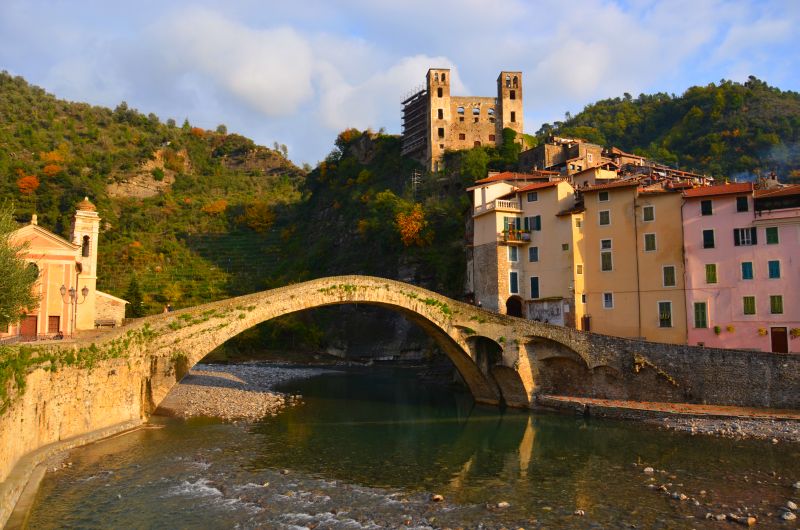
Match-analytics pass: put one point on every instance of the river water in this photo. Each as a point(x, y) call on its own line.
point(368, 447)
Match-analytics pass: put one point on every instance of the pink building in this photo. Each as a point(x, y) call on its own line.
point(742, 261)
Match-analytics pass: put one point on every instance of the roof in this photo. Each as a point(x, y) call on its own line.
point(532, 187)
point(86, 205)
point(778, 192)
point(617, 184)
point(722, 189)
point(578, 208)
point(509, 175)
point(110, 296)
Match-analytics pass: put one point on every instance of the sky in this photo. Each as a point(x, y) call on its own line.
point(299, 72)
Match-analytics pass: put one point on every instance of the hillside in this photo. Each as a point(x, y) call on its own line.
point(726, 129)
point(188, 211)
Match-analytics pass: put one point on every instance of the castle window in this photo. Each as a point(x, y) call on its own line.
point(476, 119)
point(491, 138)
point(512, 94)
point(440, 114)
point(508, 81)
point(460, 110)
point(513, 117)
point(477, 143)
point(439, 92)
point(436, 77)
point(462, 136)
point(85, 247)
point(516, 81)
point(441, 132)
point(444, 78)
point(476, 111)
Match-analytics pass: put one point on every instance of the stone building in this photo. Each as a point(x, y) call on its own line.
point(434, 121)
point(67, 287)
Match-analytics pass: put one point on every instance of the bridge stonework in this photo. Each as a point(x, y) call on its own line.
point(128, 372)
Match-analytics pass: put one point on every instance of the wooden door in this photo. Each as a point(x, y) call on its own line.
point(29, 327)
point(53, 324)
point(780, 340)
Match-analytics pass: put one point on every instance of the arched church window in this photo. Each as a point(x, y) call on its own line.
point(85, 247)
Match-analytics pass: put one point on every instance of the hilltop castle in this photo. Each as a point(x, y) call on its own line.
point(434, 121)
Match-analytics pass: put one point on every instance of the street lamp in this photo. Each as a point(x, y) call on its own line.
point(73, 301)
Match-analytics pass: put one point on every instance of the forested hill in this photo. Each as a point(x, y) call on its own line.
point(723, 129)
point(184, 209)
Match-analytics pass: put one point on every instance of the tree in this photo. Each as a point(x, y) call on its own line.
point(18, 277)
point(411, 226)
point(133, 295)
point(222, 129)
point(27, 184)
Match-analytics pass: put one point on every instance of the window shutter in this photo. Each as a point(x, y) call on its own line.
point(736, 239)
point(505, 223)
point(753, 236)
point(527, 223)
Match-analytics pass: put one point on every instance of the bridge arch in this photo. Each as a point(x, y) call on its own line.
point(184, 337)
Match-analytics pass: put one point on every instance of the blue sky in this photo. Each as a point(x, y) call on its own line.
point(299, 72)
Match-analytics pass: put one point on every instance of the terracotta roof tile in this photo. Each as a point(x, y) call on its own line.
point(616, 184)
point(508, 175)
point(531, 187)
point(723, 189)
point(778, 192)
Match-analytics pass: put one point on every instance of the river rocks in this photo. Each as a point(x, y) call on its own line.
point(232, 392)
point(648, 470)
point(579, 513)
point(792, 506)
point(502, 505)
point(788, 516)
point(796, 485)
point(437, 498)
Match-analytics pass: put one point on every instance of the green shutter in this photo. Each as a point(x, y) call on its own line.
point(700, 315)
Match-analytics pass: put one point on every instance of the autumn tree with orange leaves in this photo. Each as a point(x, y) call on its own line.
point(411, 226)
point(27, 184)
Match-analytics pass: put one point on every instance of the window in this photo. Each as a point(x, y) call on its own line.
point(665, 314)
point(511, 222)
point(564, 246)
point(439, 92)
point(460, 110)
point(86, 247)
point(583, 298)
point(477, 143)
point(776, 304)
point(462, 136)
point(705, 207)
point(668, 273)
point(649, 242)
point(700, 315)
point(476, 111)
point(711, 273)
point(579, 268)
point(441, 132)
point(606, 263)
point(578, 223)
point(491, 138)
point(513, 116)
point(602, 196)
point(608, 300)
point(513, 282)
point(589, 157)
point(605, 217)
point(741, 204)
point(534, 287)
point(536, 222)
point(513, 254)
point(648, 213)
point(532, 196)
point(749, 305)
point(774, 269)
point(440, 114)
point(772, 235)
point(708, 238)
point(512, 94)
point(747, 270)
point(744, 237)
point(605, 244)
point(444, 78)
point(533, 254)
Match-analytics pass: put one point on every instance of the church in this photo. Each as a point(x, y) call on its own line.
point(69, 301)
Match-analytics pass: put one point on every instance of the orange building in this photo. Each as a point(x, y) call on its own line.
point(67, 287)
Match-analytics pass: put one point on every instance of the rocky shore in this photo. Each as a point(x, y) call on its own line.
point(760, 428)
point(233, 391)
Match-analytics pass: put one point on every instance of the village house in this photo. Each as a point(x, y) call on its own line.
point(67, 287)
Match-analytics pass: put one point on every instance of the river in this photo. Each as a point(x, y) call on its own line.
point(369, 446)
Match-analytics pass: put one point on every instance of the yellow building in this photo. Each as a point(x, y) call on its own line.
point(67, 287)
point(632, 262)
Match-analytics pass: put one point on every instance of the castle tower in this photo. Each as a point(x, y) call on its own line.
point(509, 100)
point(85, 233)
point(438, 85)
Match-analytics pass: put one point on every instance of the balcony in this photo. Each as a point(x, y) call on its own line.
point(513, 236)
point(498, 204)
